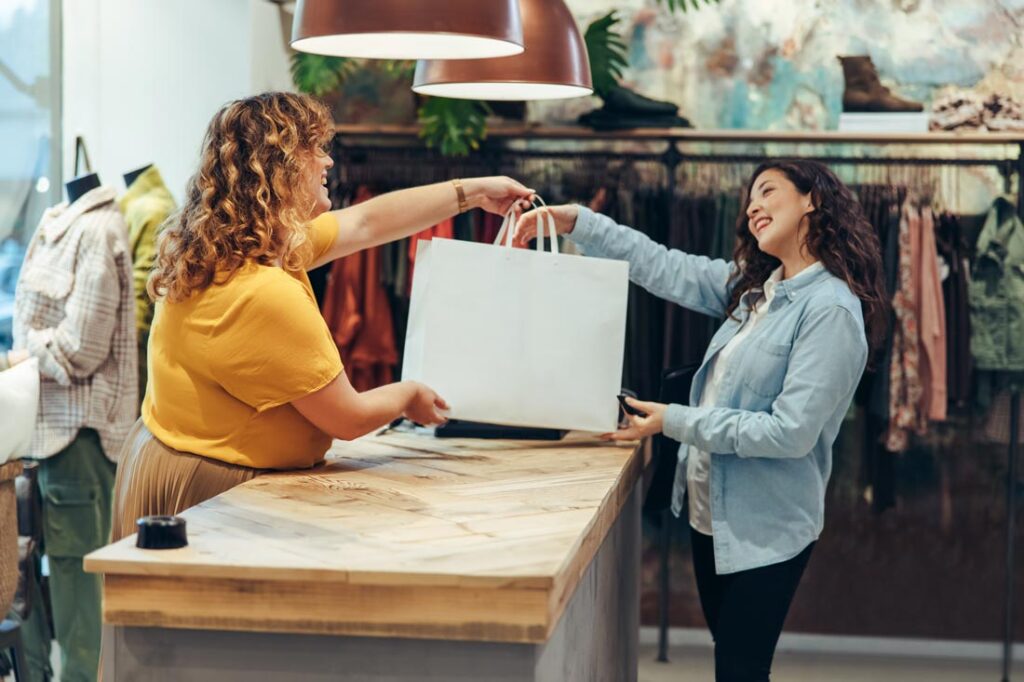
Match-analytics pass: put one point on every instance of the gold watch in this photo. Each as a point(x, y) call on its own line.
point(461, 194)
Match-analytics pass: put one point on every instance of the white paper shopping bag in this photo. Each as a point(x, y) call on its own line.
point(518, 337)
point(19, 408)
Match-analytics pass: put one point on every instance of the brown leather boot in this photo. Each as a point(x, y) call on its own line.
point(864, 92)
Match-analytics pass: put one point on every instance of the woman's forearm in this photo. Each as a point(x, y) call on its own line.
point(382, 405)
point(405, 212)
point(341, 412)
point(400, 214)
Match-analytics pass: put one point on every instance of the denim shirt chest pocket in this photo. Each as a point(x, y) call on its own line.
point(762, 367)
point(761, 364)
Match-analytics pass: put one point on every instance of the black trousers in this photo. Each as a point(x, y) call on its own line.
point(745, 611)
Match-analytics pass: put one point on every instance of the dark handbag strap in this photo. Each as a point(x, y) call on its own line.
point(28, 577)
point(29, 501)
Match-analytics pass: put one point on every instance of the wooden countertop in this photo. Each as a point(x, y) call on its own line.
point(398, 535)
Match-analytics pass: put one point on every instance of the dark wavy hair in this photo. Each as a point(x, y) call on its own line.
point(839, 235)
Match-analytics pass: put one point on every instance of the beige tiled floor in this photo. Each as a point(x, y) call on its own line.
point(695, 664)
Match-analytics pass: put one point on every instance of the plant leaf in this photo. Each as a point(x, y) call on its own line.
point(607, 53)
point(682, 5)
point(318, 75)
point(399, 68)
point(455, 126)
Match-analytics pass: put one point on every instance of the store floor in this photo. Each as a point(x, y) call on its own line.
point(695, 664)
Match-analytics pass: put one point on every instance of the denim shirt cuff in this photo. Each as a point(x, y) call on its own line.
point(586, 231)
point(676, 425)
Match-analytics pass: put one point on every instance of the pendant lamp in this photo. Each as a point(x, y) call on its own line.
point(554, 64)
point(408, 29)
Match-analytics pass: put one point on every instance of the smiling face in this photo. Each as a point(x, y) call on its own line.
point(316, 181)
point(775, 214)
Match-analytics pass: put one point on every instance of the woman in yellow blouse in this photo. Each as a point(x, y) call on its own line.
point(244, 375)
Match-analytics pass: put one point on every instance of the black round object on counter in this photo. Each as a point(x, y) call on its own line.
point(161, 532)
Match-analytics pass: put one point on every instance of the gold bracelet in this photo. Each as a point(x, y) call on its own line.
point(461, 194)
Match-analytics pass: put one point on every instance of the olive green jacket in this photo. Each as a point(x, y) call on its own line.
point(146, 205)
point(996, 291)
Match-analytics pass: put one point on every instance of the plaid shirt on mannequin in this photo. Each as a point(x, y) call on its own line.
point(74, 312)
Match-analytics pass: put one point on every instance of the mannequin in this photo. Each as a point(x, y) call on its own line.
point(130, 176)
point(77, 187)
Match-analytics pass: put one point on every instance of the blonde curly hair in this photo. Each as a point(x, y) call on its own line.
point(249, 201)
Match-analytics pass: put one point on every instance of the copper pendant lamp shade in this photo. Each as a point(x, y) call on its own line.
point(554, 64)
point(408, 29)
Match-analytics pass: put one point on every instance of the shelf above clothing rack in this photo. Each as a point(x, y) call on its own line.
point(538, 132)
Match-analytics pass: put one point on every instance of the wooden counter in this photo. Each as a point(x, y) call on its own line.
point(398, 536)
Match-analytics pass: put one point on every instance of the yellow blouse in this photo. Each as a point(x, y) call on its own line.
point(225, 365)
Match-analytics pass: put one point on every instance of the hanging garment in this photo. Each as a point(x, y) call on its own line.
point(932, 314)
point(996, 291)
point(73, 310)
point(489, 227)
point(953, 250)
point(463, 225)
point(358, 313)
point(882, 206)
point(146, 205)
point(886, 212)
point(444, 229)
point(645, 333)
point(687, 332)
point(997, 422)
point(905, 414)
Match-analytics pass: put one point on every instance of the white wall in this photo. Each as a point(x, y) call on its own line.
point(142, 78)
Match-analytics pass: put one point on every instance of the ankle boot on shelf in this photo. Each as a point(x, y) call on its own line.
point(865, 92)
point(625, 101)
point(624, 110)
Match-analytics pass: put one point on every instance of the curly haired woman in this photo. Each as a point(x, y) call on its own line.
point(803, 301)
point(244, 375)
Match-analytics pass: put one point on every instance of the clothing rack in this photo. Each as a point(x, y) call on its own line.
point(358, 144)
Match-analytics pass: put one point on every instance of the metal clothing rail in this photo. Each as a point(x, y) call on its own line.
point(357, 145)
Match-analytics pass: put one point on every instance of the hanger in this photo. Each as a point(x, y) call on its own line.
point(81, 184)
point(132, 175)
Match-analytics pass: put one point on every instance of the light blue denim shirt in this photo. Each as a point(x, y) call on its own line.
point(781, 401)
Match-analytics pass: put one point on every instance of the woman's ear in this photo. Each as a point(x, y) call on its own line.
point(808, 203)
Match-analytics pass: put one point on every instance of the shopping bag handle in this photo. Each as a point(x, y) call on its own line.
point(552, 232)
point(508, 227)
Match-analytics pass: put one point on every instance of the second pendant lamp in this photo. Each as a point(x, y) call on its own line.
point(553, 65)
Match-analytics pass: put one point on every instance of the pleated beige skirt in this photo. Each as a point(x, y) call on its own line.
point(153, 479)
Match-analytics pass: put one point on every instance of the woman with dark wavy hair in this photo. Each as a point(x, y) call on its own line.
point(244, 375)
point(803, 304)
